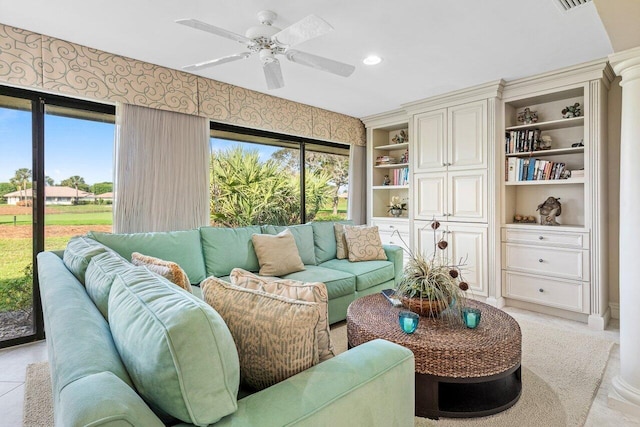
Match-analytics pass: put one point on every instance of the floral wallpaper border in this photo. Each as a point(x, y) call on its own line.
point(38, 61)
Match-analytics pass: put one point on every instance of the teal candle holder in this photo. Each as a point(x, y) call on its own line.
point(408, 321)
point(471, 317)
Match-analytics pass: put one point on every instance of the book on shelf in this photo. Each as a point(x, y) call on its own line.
point(385, 160)
point(400, 176)
point(522, 141)
point(532, 169)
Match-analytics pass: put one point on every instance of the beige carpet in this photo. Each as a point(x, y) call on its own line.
point(560, 377)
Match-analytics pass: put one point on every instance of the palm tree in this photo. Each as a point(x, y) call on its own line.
point(20, 180)
point(75, 181)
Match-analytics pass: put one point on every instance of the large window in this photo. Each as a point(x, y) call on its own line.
point(55, 182)
point(257, 178)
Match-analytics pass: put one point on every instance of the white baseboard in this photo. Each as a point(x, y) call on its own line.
point(615, 310)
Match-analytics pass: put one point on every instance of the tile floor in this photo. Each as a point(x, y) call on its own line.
point(13, 363)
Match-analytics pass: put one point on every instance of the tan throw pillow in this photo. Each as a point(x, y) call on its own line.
point(277, 254)
point(275, 336)
point(364, 243)
point(311, 292)
point(167, 269)
point(341, 243)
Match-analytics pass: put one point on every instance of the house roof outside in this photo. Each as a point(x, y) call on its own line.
point(50, 192)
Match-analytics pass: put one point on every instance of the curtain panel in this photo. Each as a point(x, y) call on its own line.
point(161, 180)
point(357, 200)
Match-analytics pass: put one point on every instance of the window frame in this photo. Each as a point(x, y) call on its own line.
point(39, 100)
point(293, 139)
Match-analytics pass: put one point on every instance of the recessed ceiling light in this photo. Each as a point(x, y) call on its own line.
point(372, 60)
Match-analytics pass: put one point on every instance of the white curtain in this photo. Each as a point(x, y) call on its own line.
point(161, 178)
point(357, 202)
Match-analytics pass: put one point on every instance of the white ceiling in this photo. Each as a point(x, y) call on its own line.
point(429, 46)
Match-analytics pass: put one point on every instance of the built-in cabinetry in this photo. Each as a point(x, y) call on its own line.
point(389, 176)
point(454, 141)
point(560, 269)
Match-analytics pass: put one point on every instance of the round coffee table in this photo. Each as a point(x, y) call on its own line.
point(460, 372)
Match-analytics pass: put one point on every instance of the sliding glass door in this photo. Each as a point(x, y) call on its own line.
point(42, 209)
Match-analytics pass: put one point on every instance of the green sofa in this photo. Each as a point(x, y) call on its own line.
point(215, 251)
point(128, 348)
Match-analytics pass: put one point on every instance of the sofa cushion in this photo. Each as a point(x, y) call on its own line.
point(78, 254)
point(100, 275)
point(338, 283)
point(181, 247)
point(277, 254)
point(303, 235)
point(177, 349)
point(167, 269)
point(275, 336)
point(311, 292)
point(368, 274)
point(363, 243)
point(324, 239)
point(342, 250)
point(227, 248)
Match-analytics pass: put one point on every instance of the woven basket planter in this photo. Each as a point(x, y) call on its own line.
point(425, 307)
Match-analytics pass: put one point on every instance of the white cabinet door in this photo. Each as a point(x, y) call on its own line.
point(430, 144)
point(467, 132)
point(467, 200)
point(430, 195)
point(468, 245)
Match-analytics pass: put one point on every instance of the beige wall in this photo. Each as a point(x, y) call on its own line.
point(621, 20)
point(614, 113)
point(45, 63)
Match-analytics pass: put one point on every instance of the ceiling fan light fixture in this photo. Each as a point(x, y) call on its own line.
point(372, 60)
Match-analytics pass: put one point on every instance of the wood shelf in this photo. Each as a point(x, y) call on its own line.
point(392, 166)
point(390, 187)
point(552, 124)
point(392, 147)
point(544, 153)
point(547, 182)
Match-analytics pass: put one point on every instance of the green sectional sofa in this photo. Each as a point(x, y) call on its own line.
point(127, 347)
point(215, 251)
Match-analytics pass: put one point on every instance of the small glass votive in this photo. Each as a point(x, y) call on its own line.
point(408, 321)
point(471, 317)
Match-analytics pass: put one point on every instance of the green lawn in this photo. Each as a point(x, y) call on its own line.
point(81, 216)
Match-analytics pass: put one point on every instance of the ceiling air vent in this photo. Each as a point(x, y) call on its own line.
point(567, 5)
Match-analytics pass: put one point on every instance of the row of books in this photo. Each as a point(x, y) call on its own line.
point(386, 160)
point(400, 176)
point(522, 141)
point(532, 169)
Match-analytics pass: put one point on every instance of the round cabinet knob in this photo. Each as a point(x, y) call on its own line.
point(540, 237)
point(449, 164)
point(540, 260)
point(392, 243)
point(391, 226)
point(540, 290)
point(444, 164)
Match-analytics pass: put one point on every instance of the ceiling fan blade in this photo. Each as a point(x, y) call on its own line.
point(214, 62)
point(320, 63)
point(303, 30)
point(199, 25)
point(273, 74)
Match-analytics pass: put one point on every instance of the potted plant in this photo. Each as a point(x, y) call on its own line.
point(431, 284)
point(397, 206)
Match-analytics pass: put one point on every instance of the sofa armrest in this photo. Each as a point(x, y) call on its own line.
point(372, 384)
point(395, 254)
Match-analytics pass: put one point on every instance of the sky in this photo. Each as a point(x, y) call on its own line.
point(264, 151)
point(72, 147)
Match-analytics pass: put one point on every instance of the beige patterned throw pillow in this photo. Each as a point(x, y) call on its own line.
point(311, 292)
point(277, 254)
point(167, 269)
point(364, 243)
point(341, 243)
point(275, 336)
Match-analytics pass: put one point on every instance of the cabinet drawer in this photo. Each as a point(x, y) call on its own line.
point(564, 294)
point(547, 238)
point(557, 262)
point(390, 226)
point(390, 238)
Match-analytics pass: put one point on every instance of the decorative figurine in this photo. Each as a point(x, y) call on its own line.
point(549, 210)
point(400, 138)
point(572, 111)
point(386, 181)
point(545, 142)
point(527, 116)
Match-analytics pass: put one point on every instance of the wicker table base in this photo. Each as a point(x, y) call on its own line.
point(460, 372)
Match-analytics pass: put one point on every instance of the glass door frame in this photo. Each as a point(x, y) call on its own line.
point(38, 102)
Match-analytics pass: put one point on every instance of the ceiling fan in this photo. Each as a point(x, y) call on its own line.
point(268, 41)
